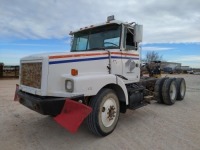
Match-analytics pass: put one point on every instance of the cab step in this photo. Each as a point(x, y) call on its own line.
point(148, 98)
point(138, 105)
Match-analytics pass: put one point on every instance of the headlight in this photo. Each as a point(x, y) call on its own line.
point(69, 85)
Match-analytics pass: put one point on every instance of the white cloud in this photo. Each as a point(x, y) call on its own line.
point(188, 58)
point(154, 48)
point(164, 21)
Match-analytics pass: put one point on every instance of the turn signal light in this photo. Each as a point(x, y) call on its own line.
point(74, 72)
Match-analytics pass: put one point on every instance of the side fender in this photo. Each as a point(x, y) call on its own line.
point(90, 85)
point(122, 85)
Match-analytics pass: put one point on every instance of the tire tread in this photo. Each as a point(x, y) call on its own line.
point(92, 121)
point(178, 82)
point(166, 91)
point(158, 90)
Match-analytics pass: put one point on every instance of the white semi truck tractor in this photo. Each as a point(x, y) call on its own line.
point(101, 72)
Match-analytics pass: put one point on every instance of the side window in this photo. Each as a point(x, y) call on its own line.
point(130, 44)
point(81, 43)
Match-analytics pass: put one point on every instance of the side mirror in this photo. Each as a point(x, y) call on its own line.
point(138, 34)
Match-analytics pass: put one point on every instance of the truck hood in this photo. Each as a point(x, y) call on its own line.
point(42, 55)
point(51, 55)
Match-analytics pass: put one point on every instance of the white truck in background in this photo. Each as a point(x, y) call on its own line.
point(101, 71)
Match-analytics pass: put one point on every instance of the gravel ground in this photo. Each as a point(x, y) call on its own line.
point(153, 127)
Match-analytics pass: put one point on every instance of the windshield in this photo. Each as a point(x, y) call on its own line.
point(105, 37)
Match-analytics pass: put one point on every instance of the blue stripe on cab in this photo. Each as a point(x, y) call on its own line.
point(89, 59)
point(76, 60)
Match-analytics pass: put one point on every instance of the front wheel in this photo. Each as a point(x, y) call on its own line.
point(104, 117)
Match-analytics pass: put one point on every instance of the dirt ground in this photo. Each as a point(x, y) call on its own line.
point(153, 127)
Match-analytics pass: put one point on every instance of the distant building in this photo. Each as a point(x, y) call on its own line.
point(196, 69)
point(172, 65)
point(185, 68)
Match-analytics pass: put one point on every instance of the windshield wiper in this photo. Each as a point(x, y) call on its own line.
point(77, 50)
point(92, 49)
point(97, 48)
point(112, 47)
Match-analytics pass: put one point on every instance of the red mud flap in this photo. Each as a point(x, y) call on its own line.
point(16, 97)
point(72, 115)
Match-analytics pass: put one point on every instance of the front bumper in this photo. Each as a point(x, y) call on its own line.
point(43, 104)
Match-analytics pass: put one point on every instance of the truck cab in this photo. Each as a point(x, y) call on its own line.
point(120, 40)
point(101, 54)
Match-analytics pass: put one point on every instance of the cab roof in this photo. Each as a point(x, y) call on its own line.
point(99, 25)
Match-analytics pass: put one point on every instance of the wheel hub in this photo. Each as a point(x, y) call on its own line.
point(111, 113)
point(108, 112)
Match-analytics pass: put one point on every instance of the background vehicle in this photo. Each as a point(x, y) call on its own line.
point(190, 72)
point(168, 70)
point(153, 69)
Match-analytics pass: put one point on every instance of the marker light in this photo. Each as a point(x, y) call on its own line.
point(74, 72)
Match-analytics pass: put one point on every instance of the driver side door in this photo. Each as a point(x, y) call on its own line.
point(130, 57)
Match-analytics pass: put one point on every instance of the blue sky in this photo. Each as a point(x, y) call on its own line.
point(186, 53)
point(11, 51)
point(29, 27)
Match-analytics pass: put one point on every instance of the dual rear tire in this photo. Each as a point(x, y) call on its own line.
point(181, 88)
point(168, 90)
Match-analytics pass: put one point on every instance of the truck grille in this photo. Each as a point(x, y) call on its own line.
point(31, 74)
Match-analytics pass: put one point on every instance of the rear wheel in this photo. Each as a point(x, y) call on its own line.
point(104, 117)
point(158, 90)
point(169, 91)
point(181, 88)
